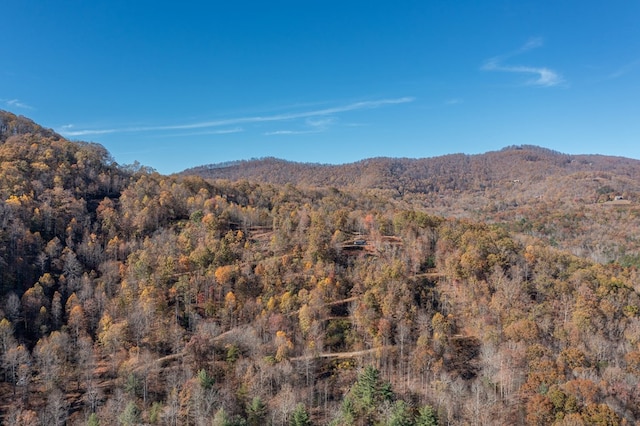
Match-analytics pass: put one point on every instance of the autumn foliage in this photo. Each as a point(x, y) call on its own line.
point(131, 297)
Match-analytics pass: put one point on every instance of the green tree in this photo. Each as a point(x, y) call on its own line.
point(400, 414)
point(130, 415)
point(366, 395)
point(426, 416)
point(300, 416)
point(221, 418)
point(93, 420)
point(205, 380)
point(256, 412)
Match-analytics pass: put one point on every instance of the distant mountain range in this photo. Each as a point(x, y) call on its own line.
point(531, 165)
point(521, 172)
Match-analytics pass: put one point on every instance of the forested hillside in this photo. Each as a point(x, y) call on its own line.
point(442, 175)
point(11, 124)
point(567, 200)
point(131, 297)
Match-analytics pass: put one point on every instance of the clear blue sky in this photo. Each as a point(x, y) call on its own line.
point(179, 84)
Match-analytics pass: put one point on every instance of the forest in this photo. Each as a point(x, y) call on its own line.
point(130, 297)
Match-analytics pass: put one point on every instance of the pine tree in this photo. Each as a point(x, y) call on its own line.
point(427, 417)
point(256, 412)
point(300, 416)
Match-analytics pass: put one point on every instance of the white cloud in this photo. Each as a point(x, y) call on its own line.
point(207, 132)
point(290, 132)
point(453, 101)
point(16, 103)
point(542, 76)
point(290, 116)
point(315, 125)
point(65, 132)
point(533, 43)
point(325, 112)
point(223, 131)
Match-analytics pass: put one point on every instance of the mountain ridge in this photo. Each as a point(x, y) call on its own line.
point(12, 125)
point(449, 172)
point(507, 289)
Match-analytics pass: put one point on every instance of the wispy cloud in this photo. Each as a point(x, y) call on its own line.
point(290, 132)
point(626, 69)
point(69, 130)
point(206, 132)
point(324, 112)
point(453, 101)
point(312, 124)
point(542, 76)
point(320, 123)
point(16, 103)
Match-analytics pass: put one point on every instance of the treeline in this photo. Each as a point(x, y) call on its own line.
point(559, 198)
point(130, 297)
point(444, 174)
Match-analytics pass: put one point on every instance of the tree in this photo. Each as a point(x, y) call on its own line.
point(130, 416)
point(55, 412)
point(206, 381)
point(93, 420)
point(12, 306)
point(52, 356)
point(400, 415)
point(6, 336)
point(539, 410)
point(426, 416)
point(283, 346)
point(221, 418)
point(300, 417)
point(256, 412)
point(17, 360)
point(367, 394)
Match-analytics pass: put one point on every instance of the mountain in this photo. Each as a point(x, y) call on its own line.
point(456, 172)
point(11, 124)
point(565, 199)
point(502, 295)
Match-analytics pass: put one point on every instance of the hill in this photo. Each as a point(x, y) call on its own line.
point(527, 189)
point(456, 172)
point(129, 297)
point(11, 124)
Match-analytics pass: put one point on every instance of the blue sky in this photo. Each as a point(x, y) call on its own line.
point(175, 85)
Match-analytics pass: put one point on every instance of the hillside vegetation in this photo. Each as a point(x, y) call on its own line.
point(567, 200)
point(131, 297)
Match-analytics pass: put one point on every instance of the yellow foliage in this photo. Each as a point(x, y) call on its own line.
point(224, 274)
point(230, 301)
point(304, 317)
point(522, 330)
point(271, 304)
point(287, 301)
point(13, 201)
point(284, 345)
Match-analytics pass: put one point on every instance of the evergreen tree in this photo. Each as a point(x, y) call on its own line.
point(130, 415)
point(256, 412)
point(401, 415)
point(427, 416)
point(366, 395)
point(300, 416)
point(93, 420)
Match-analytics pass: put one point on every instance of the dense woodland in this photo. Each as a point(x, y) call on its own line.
point(529, 189)
point(130, 297)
